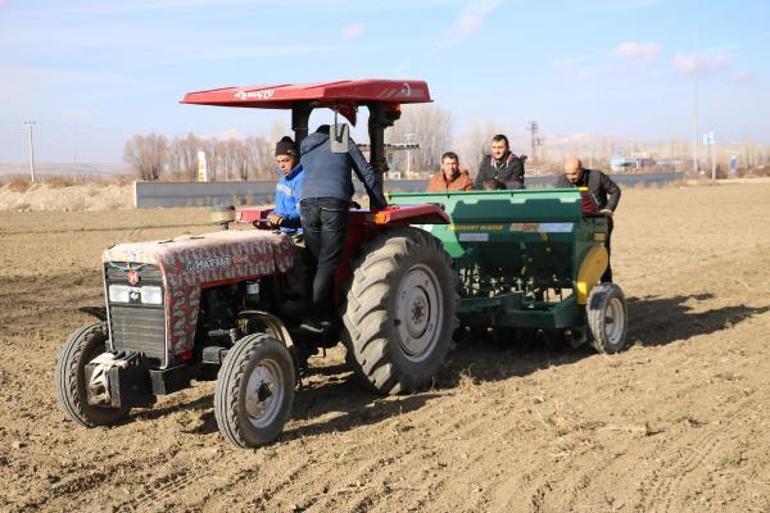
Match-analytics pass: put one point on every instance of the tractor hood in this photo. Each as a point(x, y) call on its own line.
point(191, 263)
point(224, 255)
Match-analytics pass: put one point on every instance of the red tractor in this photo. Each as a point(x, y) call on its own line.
point(228, 304)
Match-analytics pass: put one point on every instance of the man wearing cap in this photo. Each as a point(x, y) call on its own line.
point(449, 177)
point(502, 168)
point(604, 192)
point(285, 215)
point(326, 194)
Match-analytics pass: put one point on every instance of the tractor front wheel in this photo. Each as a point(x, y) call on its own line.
point(255, 391)
point(400, 312)
point(70, 381)
point(607, 316)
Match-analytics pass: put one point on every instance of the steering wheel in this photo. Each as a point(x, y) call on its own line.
point(262, 224)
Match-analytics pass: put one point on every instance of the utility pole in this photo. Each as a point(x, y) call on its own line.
point(533, 128)
point(31, 124)
point(409, 137)
point(696, 128)
point(709, 139)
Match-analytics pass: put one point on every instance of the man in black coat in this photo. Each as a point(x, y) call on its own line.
point(501, 169)
point(326, 193)
point(605, 192)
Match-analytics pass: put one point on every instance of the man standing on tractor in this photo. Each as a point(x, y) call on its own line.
point(287, 191)
point(449, 177)
point(502, 168)
point(604, 192)
point(326, 194)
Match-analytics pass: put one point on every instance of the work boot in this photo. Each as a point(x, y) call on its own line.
point(315, 326)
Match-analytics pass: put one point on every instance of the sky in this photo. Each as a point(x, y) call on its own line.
point(93, 73)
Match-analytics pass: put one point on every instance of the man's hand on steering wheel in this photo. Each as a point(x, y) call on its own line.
point(275, 219)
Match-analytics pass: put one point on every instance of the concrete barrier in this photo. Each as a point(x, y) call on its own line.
point(189, 194)
point(198, 194)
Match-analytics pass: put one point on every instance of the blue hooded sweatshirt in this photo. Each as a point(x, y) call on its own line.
point(329, 174)
point(287, 196)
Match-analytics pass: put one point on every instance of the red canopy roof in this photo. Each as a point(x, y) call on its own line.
point(343, 93)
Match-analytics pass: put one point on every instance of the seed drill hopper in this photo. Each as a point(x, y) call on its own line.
point(531, 260)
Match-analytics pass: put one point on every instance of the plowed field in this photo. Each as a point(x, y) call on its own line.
point(680, 422)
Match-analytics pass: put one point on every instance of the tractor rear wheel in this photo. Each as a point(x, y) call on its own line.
point(255, 391)
point(401, 311)
point(607, 316)
point(84, 345)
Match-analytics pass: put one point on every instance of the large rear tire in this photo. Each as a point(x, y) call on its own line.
point(607, 316)
point(70, 381)
point(255, 391)
point(401, 311)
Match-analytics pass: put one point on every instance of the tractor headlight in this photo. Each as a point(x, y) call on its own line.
point(147, 295)
point(152, 295)
point(119, 293)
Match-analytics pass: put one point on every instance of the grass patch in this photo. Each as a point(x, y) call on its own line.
point(730, 459)
point(18, 184)
point(672, 417)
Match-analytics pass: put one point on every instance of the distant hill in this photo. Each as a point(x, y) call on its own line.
point(69, 169)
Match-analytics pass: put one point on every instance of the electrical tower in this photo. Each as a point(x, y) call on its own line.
point(534, 128)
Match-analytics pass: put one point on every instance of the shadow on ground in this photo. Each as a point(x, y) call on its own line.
point(337, 401)
point(331, 400)
point(658, 321)
point(653, 321)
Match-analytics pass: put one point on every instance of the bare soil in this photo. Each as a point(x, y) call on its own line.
point(677, 423)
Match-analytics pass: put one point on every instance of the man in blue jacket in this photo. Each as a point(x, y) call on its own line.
point(326, 194)
point(287, 191)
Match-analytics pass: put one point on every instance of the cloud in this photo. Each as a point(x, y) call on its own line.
point(470, 19)
point(257, 52)
point(353, 31)
point(582, 67)
point(740, 77)
point(709, 62)
point(640, 51)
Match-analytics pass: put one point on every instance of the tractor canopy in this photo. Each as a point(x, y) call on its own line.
point(383, 99)
point(344, 96)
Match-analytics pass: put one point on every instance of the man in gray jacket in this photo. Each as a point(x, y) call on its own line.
point(326, 194)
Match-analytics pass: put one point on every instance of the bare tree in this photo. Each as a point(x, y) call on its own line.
point(213, 157)
point(432, 127)
point(475, 143)
point(230, 159)
point(147, 154)
point(188, 155)
point(259, 157)
point(255, 155)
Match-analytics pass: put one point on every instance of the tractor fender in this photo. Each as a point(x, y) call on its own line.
point(591, 269)
point(272, 325)
point(100, 312)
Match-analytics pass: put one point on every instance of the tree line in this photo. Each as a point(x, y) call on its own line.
point(153, 156)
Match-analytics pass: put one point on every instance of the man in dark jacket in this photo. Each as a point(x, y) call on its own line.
point(502, 168)
point(326, 193)
point(604, 191)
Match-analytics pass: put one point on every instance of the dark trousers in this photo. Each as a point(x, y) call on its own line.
point(607, 276)
point(325, 225)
